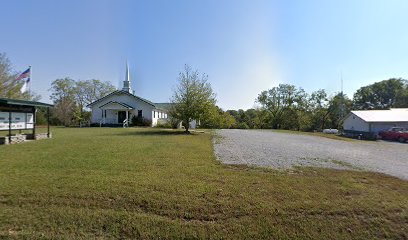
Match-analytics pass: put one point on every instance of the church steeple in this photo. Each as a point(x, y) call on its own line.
point(127, 87)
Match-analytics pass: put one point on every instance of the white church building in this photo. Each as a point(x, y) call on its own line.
point(119, 107)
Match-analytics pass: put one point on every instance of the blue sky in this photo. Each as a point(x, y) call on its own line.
point(244, 46)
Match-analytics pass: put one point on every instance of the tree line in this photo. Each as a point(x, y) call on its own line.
point(282, 107)
point(289, 107)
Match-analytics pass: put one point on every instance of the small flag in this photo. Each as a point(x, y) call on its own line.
point(24, 87)
point(25, 74)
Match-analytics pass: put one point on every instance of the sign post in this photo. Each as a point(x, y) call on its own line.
point(9, 127)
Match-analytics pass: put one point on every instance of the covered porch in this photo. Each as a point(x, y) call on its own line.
point(116, 114)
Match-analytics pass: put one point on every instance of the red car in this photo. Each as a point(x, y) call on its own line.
point(395, 133)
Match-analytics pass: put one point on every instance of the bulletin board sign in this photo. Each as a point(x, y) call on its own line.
point(19, 121)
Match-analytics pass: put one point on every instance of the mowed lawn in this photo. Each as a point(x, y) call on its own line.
point(152, 183)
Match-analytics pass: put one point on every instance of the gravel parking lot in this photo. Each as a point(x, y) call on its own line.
point(284, 150)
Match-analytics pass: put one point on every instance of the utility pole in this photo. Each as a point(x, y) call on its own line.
point(341, 114)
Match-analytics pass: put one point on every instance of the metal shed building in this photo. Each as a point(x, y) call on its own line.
point(370, 122)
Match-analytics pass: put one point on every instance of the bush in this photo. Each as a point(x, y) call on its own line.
point(168, 123)
point(243, 126)
point(164, 125)
point(140, 122)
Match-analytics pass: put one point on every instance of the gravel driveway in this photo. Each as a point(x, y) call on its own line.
point(285, 150)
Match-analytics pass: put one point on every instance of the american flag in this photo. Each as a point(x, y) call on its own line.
point(25, 74)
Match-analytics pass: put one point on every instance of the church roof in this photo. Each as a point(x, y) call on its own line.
point(115, 102)
point(120, 92)
point(164, 106)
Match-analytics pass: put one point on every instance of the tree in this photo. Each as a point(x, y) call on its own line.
point(253, 118)
point(71, 98)
point(382, 95)
point(319, 109)
point(63, 94)
point(64, 110)
point(193, 98)
point(339, 106)
point(281, 102)
point(217, 118)
point(88, 91)
point(261, 118)
point(9, 86)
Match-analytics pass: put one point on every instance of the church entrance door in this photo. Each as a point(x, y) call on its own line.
point(121, 116)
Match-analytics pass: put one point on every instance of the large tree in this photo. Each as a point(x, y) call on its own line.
point(88, 91)
point(63, 96)
point(282, 102)
point(339, 106)
point(71, 98)
point(382, 95)
point(193, 98)
point(319, 108)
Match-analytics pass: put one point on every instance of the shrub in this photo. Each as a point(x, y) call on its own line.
point(140, 122)
point(243, 126)
point(164, 125)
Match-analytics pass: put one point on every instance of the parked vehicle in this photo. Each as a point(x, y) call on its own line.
point(396, 133)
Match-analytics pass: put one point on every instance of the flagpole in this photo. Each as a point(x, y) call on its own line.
point(29, 84)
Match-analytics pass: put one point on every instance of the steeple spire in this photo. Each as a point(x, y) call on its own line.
point(127, 87)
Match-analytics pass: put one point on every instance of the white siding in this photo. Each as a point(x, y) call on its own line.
point(129, 100)
point(193, 124)
point(156, 115)
point(354, 123)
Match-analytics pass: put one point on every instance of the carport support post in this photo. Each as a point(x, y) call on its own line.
point(34, 122)
point(9, 128)
point(48, 122)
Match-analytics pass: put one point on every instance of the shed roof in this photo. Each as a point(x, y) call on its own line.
point(392, 115)
point(24, 102)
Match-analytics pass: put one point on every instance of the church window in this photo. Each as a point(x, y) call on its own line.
point(139, 113)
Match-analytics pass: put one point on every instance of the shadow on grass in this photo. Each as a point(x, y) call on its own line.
point(155, 132)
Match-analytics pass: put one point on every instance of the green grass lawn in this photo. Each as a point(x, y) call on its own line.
point(151, 183)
